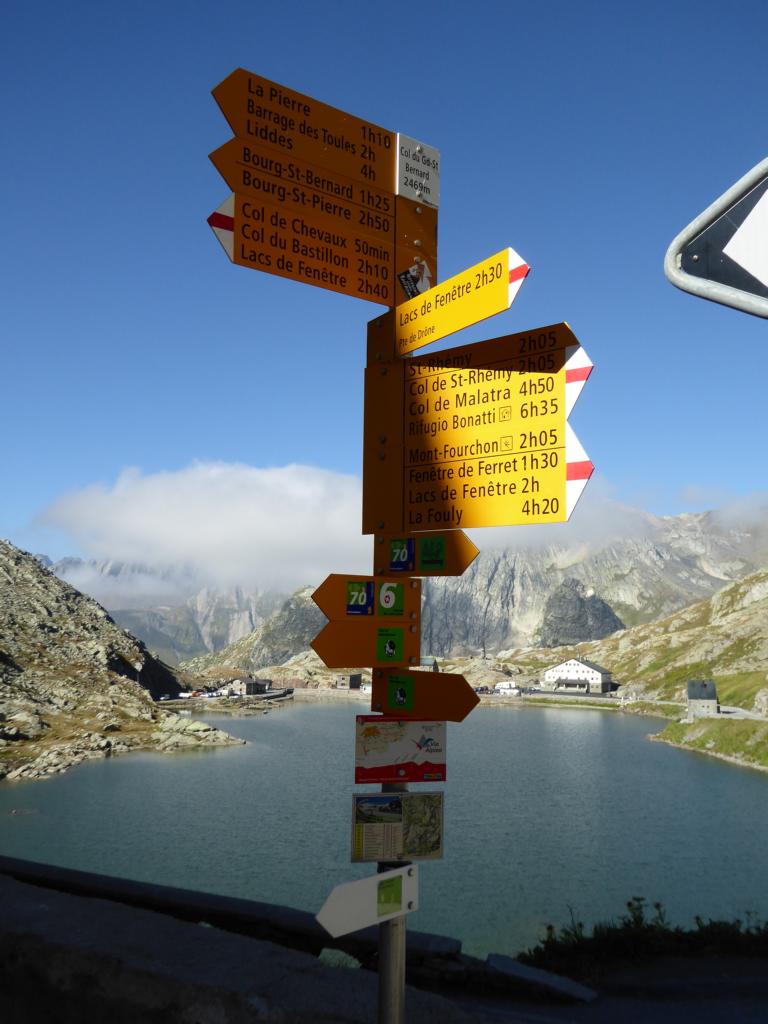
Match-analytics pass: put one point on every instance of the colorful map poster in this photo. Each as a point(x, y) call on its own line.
point(390, 749)
point(397, 826)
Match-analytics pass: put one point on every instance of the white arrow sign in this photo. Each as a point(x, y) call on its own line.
point(373, 900)
point(723, 254)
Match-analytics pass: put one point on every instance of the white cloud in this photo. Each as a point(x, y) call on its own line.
point(227, 524)
point(597, 520)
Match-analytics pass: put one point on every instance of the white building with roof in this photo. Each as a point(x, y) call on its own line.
point(578, 676)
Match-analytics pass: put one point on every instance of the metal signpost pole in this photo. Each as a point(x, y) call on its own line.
point(392, 934)
point(392, 948)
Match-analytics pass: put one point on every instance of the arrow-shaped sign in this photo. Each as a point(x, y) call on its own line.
point(373, 621)
point(445, 697)
point(345, 644)
point(341, 597)
point(424, 554)
point(467, 298)
point(475, 436)
point(293, 125)
point(304, 247)
point(369, 901)
point(295, 185)
point(723, 254)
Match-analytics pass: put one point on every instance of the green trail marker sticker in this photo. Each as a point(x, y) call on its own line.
point(389, 645)
point(400, 693)
point(391, 599)
point(389, 896)
point(432, 553)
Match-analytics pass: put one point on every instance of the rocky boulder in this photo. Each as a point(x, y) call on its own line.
point(574, 614)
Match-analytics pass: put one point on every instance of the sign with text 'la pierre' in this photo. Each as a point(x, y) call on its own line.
point(372, 621)
point(475, 436)
point(467, 298)
point(290, 123)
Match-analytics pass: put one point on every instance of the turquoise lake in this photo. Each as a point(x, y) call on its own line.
point(548, 812)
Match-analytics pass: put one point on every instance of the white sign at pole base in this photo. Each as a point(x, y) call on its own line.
point(369, 901)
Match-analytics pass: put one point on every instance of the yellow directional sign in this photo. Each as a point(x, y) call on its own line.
point(475, 436)
point(294, 125)
point(487, 288)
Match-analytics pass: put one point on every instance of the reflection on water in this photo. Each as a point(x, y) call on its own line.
point(547, 811)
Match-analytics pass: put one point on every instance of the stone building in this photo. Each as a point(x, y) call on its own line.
point(702, 699)
point(349, 681)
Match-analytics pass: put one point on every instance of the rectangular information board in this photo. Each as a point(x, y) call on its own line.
point(391, 749)
point(397, 826)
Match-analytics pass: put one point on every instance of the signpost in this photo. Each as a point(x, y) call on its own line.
point(426, 695)
point(475, 436)
point(723, 254)
point(370, 901)
point(472, 436)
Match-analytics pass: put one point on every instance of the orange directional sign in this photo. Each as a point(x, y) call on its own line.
point(306, 247)
point(294, 125)
point(294, 184)
point(368, 641)
point(475, 436)
point(424, 554)
point(343, 597)
point(436, 696)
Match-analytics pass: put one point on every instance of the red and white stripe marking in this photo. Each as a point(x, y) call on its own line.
point(518, 271)
point(222, 222)
point(578, 470)
point(578, 367)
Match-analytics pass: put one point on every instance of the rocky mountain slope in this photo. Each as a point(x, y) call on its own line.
point(289, 632)
point(73, 684)
point(174, 616)
point(573, 614)
point(724, 638)
point(642, 567)
point(668, 563)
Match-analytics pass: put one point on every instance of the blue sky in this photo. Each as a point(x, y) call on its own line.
point(135, 357)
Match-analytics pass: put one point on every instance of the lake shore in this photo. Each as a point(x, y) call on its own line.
point(186, 729)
